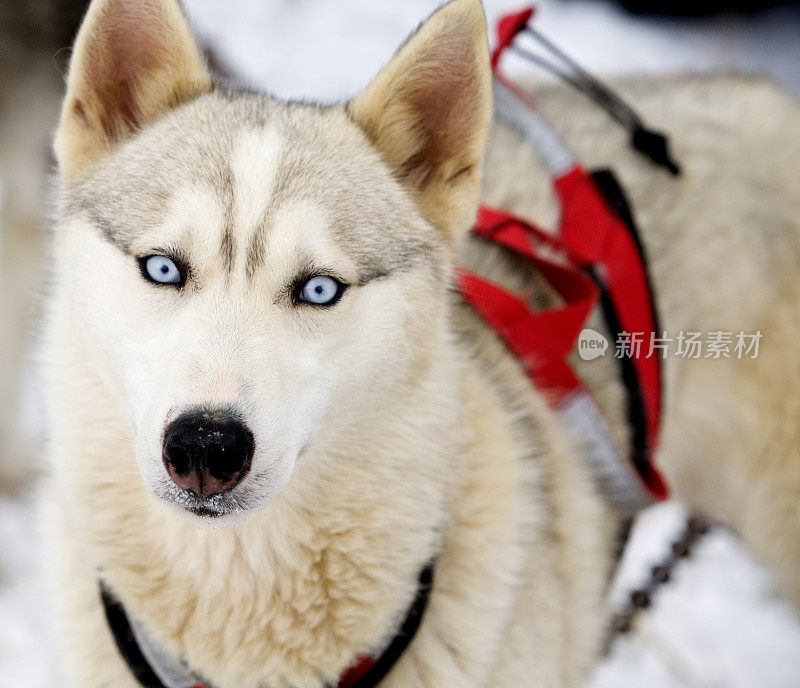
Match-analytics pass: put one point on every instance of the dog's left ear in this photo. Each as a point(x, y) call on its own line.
point(428, 113)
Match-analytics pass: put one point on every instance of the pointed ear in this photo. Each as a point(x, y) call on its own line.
point(428, 113)
point(133, 60)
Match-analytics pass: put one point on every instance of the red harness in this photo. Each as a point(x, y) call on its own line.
point(595, 251)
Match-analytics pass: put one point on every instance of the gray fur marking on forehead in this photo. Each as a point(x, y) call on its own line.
point(134, 185)
point(227, 247)
point(365, 210)
point(323, 158)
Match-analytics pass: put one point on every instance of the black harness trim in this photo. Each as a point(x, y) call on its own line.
point(128, 646)
point(383, 665)
point(126, 642)
point(609, 186)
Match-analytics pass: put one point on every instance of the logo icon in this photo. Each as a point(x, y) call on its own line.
point(591, 344)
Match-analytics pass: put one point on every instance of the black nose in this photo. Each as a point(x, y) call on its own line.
point(207, 452)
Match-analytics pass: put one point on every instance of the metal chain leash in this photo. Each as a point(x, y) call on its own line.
point(641, 598)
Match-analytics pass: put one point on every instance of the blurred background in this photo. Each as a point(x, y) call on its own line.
point(719, 623)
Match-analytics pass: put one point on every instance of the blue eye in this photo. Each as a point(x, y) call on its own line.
point(161, 270)
point(321, 290)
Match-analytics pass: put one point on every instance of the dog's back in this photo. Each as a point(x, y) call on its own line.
point(724, 245)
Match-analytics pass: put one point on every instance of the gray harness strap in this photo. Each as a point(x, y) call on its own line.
point(171, 671)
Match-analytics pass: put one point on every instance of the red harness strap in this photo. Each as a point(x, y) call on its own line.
point(541, 340)
point(596, 236)
point(356, 672)
point(595, 250)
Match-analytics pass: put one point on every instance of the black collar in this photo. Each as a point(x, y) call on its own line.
point(367, 674)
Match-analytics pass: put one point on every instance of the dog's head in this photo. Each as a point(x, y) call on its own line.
point(244, 273)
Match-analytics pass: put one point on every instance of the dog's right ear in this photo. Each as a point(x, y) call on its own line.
point(133, 60)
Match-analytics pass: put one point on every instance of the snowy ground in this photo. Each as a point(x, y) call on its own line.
point(719, 624)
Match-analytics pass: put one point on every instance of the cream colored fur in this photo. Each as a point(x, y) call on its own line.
point(393, 427)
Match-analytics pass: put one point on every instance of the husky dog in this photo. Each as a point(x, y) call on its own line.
point(270, 410)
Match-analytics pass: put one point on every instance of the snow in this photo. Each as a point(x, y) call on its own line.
point(26, 658)
point(327, 50)
point(720, 622)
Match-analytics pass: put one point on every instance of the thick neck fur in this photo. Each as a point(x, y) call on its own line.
point(328, 569)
